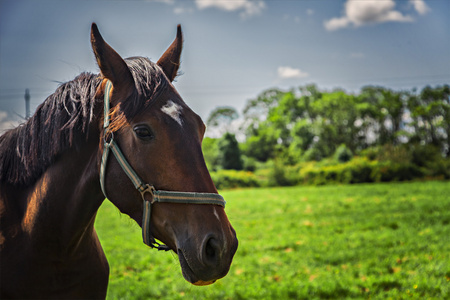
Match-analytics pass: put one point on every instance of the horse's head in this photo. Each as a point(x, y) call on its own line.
point(160, 138)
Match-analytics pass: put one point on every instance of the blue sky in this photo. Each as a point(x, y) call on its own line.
point(233, 49)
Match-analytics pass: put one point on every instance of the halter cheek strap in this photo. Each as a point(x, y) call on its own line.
point(109, 144)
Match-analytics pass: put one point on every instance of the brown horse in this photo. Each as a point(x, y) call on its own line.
point(50, 189)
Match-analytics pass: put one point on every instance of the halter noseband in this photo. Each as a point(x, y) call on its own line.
point(155, 195)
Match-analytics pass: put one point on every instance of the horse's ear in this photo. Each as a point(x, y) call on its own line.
point(170, 60)
point(112, 66)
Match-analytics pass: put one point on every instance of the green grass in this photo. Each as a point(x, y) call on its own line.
point(364, 241)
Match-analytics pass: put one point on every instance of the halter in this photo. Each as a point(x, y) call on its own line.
point(141, 186)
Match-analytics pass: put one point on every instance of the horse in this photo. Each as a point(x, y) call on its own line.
point(56, 171)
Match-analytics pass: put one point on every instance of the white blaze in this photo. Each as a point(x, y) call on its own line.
point(216, 214)
point(173, 110)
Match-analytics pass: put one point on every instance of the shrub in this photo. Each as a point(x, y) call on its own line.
point(277, 176)
point(359, 170)
point(391, 171)
point(250, 164)
point(439, 168)
point(388, 152)
point(343, 154)
point(224, 179)
point(423, 155)
point(313, 154)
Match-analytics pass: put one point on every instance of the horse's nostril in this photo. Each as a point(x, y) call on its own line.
point(210, 248)
point(211, 251)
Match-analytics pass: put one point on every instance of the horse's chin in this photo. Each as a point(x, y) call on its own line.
point(189, 274)
point(201, 283)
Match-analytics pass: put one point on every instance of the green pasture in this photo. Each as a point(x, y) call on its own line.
point(376, 241)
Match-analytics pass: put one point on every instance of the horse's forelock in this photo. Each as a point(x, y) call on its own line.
point(149, 82)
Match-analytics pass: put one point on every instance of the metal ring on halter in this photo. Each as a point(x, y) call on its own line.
point(148, 189)
point(108, 136)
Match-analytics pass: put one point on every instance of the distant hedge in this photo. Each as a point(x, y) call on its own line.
point(225, 179)
point(357, 170)
point(360, 170)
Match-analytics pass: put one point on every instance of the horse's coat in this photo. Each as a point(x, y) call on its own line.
point(50, 189)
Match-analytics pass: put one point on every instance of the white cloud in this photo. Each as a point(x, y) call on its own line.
point(178, 9)
point(420, 6)
point(337, 23)
point(247, 7)
point(360, 13)
point(182, 10)
point(288, 72)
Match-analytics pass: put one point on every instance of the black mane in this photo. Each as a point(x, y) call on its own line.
point(62, 121)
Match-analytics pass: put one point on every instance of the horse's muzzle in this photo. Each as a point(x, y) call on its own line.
point(210, 262)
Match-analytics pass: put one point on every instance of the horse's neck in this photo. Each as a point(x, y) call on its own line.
point(64, 201)
point(50, 248)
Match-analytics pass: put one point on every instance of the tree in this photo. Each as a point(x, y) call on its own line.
point(335, 124)
point(313, 122)
point(229, 153)
point(221, 118)
point(310, 124)
point(256, 110)
point(261, 145)
point(383, 114)
point(430, 113)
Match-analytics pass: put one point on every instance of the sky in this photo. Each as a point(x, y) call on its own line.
point(233, 49)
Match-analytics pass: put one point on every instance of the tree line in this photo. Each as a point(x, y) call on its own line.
point(309, 124)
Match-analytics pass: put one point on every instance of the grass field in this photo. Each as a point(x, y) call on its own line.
point(375, 241)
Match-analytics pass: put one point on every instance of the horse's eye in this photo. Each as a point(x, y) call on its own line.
point(143, 132)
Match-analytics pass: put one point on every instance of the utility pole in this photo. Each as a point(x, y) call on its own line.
point(27, 103)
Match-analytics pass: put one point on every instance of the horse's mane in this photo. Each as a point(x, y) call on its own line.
point(62, 122)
